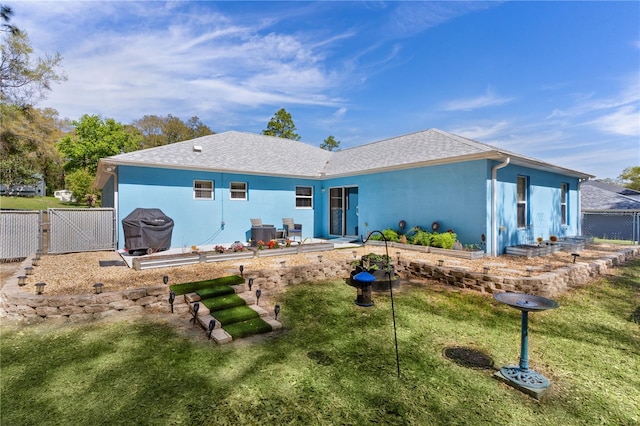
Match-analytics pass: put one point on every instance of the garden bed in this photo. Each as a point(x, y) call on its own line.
point(463, 254)
point(533, 250)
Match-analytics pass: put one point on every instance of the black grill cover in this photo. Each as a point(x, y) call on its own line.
point(147, 229)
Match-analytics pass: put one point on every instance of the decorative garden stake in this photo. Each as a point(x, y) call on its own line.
point(98, 287)
point(276, 310)
point(40, 288)
point(212, 325)
point(486, 269)
point(172, 298)
point(258, 294)
point(440, 262)
point(393, 310)
point(521, 376)
point(242, 271)
point(250, 283)
point(398, 254)
point(575, 255)
point(196, 307)
point(165, 279)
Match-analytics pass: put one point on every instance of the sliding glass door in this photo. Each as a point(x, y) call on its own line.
point(343, 211)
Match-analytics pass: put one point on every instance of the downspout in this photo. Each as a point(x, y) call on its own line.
point(579, 227)
point(494, 205)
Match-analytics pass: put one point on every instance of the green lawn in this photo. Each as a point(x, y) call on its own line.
point(334, 364)
point(35, 203)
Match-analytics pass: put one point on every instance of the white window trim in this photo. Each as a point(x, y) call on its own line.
point(564, 215)
point(196, 189)
point(525, 202)
point(244, 191)
point(305, 197)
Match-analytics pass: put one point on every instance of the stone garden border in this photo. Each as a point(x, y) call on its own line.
point(18, 305)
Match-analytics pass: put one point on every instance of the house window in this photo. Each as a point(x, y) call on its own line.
point(304, 197)
point(238, 190)
point(203, 189)
point(523, 196)
point(564, 189)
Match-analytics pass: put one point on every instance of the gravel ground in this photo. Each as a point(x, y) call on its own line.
point(77, 272)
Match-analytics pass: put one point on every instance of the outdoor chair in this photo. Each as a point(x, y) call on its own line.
point(291, 229)
point(261, 232)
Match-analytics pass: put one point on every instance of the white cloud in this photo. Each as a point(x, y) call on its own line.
point(469, 104)
point(623, 121)
point(411, 18)
point(482, 132)
point(619, 114)
point(184, 61)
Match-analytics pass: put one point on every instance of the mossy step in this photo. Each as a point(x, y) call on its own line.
point(192, 287)
point(208, 293)
point(233, 315)
point(223, 302)
point(238, 330)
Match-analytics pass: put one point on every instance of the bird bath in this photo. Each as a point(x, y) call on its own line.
point(521, 376)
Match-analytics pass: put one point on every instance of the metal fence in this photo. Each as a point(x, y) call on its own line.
point(612, 225)
point(74, 230)
point(21, 233)
point(62, 231)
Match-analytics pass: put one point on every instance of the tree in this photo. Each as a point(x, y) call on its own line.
point(23, 82)
point(5, 16)
point(630, 178)
point(94, 138)
point(80, 182)
point(158, 131)
point(330, 144)
point(28, 138)
point(281, 125)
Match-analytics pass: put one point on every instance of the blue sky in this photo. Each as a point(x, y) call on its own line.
point(557, 81)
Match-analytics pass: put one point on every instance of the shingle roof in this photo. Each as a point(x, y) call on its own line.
point(258, 154)
point(234, 152)
point(413, 149)
point(596, 195)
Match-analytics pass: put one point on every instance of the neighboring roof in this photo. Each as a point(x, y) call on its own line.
point(612, 187)
point(239, 152)
point(595, 195)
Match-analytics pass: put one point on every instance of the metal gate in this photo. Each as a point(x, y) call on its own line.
point(20, 234)
point(75, 230)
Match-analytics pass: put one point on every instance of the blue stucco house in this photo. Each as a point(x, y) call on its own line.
point(211, 187)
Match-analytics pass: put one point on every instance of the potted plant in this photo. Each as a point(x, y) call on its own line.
point(378, 265)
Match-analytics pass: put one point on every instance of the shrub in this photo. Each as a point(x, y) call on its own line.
point(388, 233)
point(445, 240)
point(421, 238)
